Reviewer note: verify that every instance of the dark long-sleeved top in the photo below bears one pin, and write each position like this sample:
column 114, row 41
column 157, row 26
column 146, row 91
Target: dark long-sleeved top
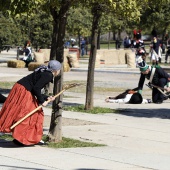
column 159, row 73
column 35, row 82
column 156, row 46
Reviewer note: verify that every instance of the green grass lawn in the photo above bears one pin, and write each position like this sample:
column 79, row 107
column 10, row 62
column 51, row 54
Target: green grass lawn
column 106, row 46
column 95, row 110
column 65, row 143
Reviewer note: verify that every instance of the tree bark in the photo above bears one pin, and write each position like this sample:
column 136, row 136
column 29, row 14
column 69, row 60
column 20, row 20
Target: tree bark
column 96, row 11
column 57, row 51
column 98, row 39
column 109, row 41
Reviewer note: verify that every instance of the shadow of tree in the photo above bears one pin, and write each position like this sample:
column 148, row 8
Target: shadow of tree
column 20, row 167
column 148, row 113
column 88, row 169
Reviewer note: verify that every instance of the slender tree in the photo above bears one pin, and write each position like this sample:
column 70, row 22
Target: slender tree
column 97, row 13
column 121, row 8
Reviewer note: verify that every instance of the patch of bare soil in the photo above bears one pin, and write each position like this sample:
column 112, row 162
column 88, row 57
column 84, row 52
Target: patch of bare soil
column 70, row 122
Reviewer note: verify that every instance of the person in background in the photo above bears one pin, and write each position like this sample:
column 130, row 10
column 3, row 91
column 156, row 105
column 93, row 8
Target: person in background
column 127, row 42
column 137, row 40
column 82, row 45
column 87, row 47
column 28, row 55
column 163, row 48
column 156, row 49
column 72, row 43
column 67, row 44
column 117, row 43
column 138, row 45
column 24, row 97
column 168, row 50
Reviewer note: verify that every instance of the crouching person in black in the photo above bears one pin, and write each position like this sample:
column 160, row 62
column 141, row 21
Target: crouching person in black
column 156, row 76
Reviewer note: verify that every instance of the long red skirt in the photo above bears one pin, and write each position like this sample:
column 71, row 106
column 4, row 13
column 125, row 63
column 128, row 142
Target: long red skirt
column 18, row 104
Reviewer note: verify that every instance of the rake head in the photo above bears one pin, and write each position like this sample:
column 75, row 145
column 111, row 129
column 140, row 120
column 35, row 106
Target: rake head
column 68, row 86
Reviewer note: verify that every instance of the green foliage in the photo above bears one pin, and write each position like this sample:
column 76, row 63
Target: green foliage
column 156, row 16
column 95, row 110
column 79, row 21
column 129, row 9
column 14, row 7
column 36, row 27
column 41, row 29
column 10, row 33
column 7, row 137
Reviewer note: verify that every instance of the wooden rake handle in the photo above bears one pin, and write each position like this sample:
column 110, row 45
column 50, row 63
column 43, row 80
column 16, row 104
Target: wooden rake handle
column 32, row 112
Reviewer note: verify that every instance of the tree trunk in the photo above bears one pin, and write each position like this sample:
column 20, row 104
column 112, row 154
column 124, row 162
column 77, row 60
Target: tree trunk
column 96, row 11
column 109, row 41
column 114, row 35
column 57, row 50
column 98, row 39
column 119, row 34
column 54, row 41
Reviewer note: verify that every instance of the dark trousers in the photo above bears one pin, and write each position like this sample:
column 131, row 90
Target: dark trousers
column 2, row 98
column 157, row 96
column 166, row 55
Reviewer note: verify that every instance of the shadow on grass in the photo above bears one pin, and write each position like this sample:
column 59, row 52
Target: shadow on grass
column 5, row 91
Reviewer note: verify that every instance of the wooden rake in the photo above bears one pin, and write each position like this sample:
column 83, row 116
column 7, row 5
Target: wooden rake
column 66, row 87
column 161, row 89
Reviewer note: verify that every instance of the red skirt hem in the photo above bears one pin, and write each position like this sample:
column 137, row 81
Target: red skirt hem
column 19, row 103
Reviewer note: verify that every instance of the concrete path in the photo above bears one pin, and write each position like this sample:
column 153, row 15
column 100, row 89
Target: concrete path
column 137, row 138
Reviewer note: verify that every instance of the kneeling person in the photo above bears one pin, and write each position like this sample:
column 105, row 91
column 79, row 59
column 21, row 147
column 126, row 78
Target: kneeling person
column 156, row 76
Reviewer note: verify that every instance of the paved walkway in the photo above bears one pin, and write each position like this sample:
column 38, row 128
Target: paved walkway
column 138, row 138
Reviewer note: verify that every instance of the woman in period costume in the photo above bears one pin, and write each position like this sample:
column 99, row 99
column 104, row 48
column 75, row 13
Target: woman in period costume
column 24, row 97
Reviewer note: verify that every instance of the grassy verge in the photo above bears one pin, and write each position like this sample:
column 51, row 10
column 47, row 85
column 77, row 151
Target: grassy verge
column 70, row 143
column 95, row 110
column 6, row 85
column 6, row 137
column 65, row 143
